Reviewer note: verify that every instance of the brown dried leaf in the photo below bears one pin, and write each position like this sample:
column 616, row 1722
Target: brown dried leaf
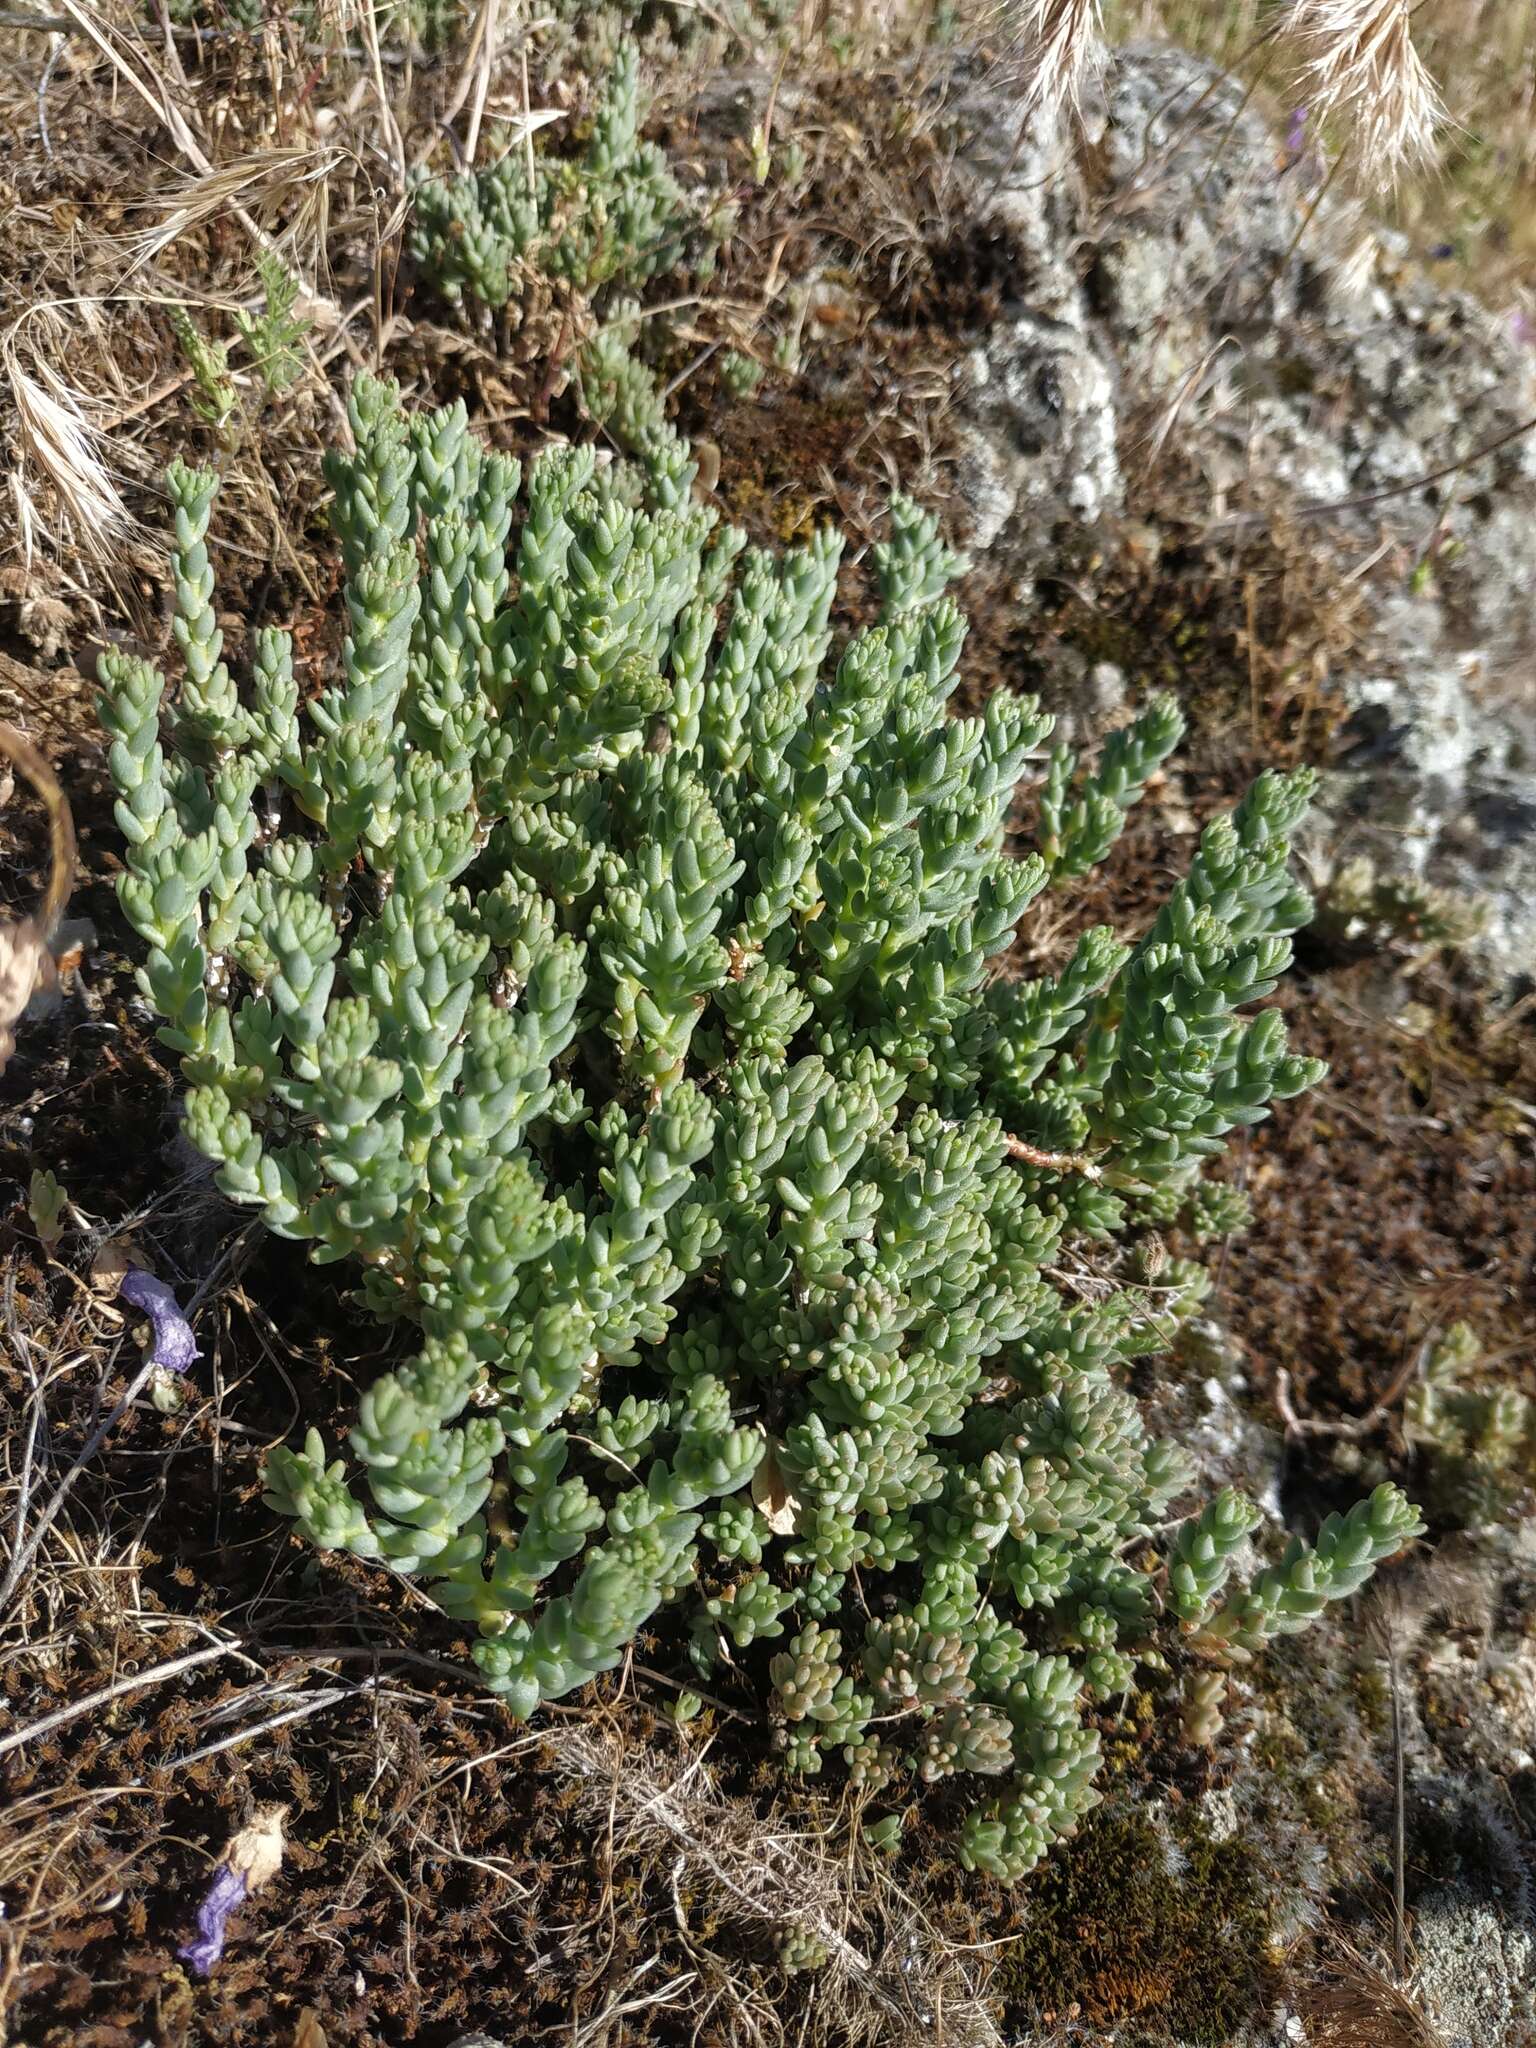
column 113, row 1260
column 780, row 1508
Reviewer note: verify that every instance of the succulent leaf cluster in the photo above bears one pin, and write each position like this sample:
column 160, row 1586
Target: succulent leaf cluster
column 604, row 966
column 274, row 336
column 612, row 213
column 213, row 396
column 1364, row 905
column 1477, row 1431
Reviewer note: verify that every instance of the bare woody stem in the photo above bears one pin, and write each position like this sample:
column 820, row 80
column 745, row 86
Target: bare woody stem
column 1051, row 1162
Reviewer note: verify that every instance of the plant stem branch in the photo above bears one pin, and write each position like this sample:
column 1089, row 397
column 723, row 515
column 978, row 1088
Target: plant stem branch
column 158, row 1674
column 1051, row 1162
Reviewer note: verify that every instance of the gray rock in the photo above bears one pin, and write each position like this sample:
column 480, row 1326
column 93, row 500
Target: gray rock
column 1042, row 430
column 1476, row 1976
column 1174, row 275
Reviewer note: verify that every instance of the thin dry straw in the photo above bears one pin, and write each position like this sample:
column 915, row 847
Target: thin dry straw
column 1360, row 69
column 127, row 56
column 249, row 181
column 58, row 440
column 135, row 1681
column 776, row 1880
column 1054, row 41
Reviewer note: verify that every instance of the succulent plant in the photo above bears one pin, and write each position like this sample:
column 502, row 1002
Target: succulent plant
column 601, row 967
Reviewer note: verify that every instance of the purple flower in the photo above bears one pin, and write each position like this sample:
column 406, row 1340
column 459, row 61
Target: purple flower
column 175, row 1347
column 252, row 1859
column 229, row 1887
column 1296, row 134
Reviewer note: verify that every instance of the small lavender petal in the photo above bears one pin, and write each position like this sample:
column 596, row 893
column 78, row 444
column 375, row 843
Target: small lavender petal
column 175, row 1347
column 219, row 1901
column 1296, row 134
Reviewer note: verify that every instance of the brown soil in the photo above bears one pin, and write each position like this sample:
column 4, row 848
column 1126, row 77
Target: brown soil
column 1398, row 1197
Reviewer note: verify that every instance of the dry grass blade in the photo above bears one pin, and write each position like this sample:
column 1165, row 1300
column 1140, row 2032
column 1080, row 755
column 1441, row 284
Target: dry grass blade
column 58, row 442
column 1387, row 1627
column 1351, row 2004
column 1054, row 42
column 160, row 1674
column 889, row 1975
column 485, row 65
column 135, row 66
column 254, row 182
column 1360, row 69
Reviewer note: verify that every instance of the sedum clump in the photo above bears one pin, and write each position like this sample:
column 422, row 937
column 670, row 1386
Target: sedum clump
column 275, row 336
column 213, row 395
column 613, row 213
column 1476, row 1431
column 601, row 224
column 1366, row 906
column 604, row 966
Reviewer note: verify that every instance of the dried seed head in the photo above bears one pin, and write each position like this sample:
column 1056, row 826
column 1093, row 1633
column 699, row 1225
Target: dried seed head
column 1360, row 69
column 1054, row 43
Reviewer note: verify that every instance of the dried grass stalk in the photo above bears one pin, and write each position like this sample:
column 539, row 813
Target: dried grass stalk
column 1054, row 42
column 1361, row 70
column 889, row 1978
column 57, row 442
column 257, row 182
column 1351, row 2004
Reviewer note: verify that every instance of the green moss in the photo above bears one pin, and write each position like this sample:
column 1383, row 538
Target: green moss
column 1373, row 1695
column 1294, row 378
column 1156, row 1934
column 1277, row 1743
column 784, row 515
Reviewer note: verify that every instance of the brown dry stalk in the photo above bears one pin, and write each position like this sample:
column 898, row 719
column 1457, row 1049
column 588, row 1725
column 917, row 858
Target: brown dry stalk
column 1051, row 1162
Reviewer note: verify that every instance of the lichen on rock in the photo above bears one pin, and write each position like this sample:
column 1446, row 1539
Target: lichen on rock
column 1175, row 279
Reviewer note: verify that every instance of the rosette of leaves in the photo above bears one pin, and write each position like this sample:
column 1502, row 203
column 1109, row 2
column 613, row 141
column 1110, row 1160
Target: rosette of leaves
column 601, row 969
